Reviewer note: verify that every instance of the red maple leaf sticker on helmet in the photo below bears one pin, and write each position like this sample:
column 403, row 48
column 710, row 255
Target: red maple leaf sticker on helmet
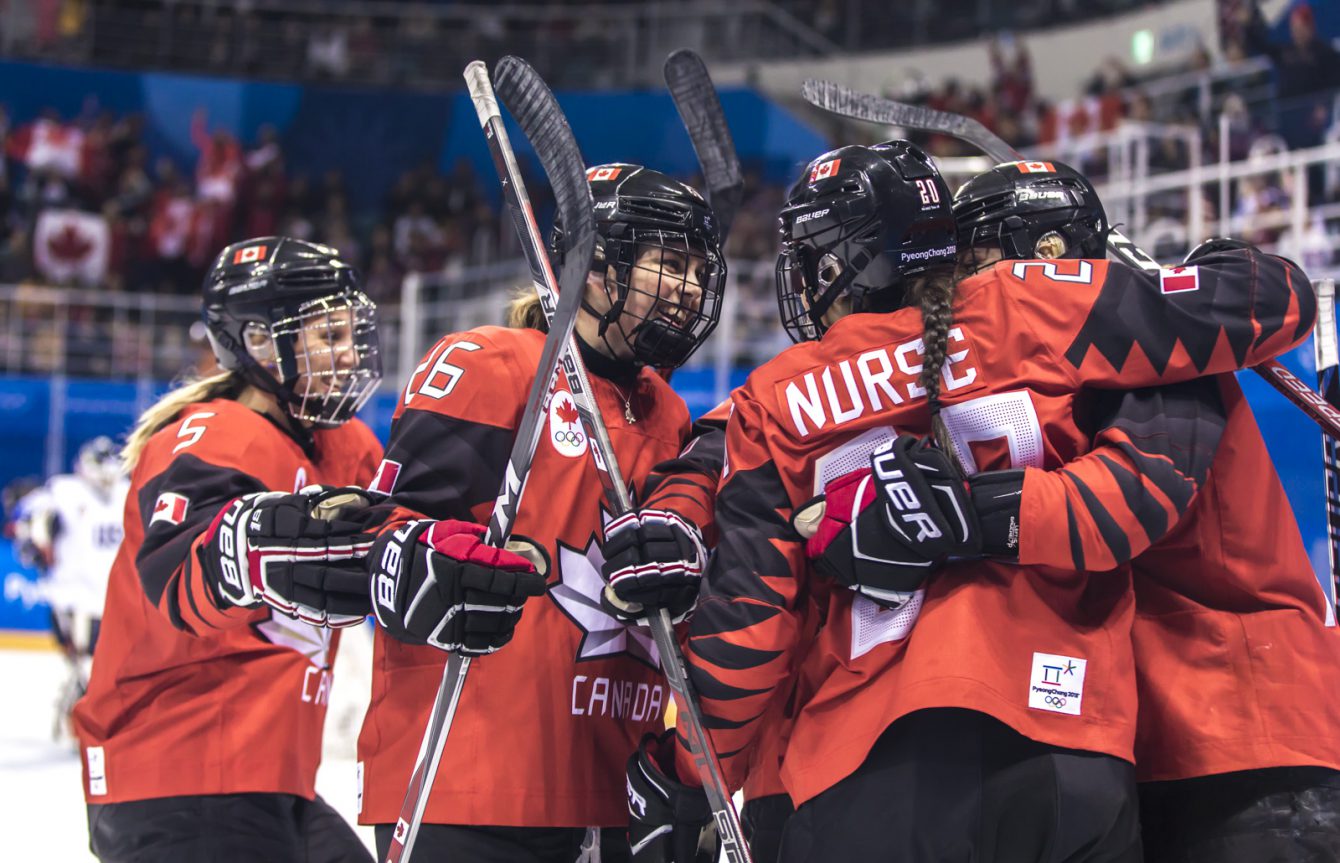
column 567, row 412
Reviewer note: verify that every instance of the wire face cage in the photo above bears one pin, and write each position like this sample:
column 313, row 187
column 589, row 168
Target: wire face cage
column 669, row 290
column 327, row 356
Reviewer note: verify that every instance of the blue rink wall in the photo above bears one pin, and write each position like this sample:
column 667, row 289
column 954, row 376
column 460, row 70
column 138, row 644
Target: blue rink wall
column 81, row 409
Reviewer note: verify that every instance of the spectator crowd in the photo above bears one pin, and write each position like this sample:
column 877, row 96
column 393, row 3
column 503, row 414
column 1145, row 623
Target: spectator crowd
column 85, row 204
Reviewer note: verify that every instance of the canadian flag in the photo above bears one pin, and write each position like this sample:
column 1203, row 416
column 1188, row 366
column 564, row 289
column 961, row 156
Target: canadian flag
column 170, row 507
column 599, row 175
column 71, row 246
column 48, row 145
column 384, row 481
column 824, row 170
column 1036, row 167
column 249, row 255
column 1179, row 280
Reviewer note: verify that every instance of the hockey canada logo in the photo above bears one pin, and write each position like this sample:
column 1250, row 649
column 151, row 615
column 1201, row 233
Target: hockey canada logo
column 170, row 507
column 1056, row 683
column 577, row 594
column 824, row 170
column 600, row 175
column 565, row 427
column 249, row 255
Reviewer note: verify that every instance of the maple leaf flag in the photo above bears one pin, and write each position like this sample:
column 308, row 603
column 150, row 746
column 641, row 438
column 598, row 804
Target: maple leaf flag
column 249, row 255
column 48, row 145
column 170, row 507
column 598, row 175
column 71, row 246
column 1036, row 167
column 1179, row 280
column 824, row 170
column 384, row 481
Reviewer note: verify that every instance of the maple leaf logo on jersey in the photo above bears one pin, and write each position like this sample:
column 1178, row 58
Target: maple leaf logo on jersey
column 578, row 596
column 564, row 432
column 313, row 642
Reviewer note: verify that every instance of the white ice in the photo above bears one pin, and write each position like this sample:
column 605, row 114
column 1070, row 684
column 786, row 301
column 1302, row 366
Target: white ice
column 42, row 814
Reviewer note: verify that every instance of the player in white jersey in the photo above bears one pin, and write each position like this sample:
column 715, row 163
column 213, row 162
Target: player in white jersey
column 74, row 524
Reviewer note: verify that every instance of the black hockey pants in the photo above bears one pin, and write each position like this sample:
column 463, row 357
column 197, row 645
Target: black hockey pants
column 452, row 842
column 955, row 786
column 1278, row 815
column 223, row 828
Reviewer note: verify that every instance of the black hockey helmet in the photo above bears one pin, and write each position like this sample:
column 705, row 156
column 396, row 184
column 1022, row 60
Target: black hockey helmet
column 858, row 222
column 647, row 221
column 1030, row 210
column 292, row 318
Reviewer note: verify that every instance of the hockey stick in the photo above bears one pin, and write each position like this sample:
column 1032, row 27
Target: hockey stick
column 602, row 449
column 700, row 110
column 1328, row 381
column 544, row 125
column 874, row 109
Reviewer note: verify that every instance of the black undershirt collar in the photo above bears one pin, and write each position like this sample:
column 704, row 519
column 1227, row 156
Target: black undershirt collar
column 619, row 372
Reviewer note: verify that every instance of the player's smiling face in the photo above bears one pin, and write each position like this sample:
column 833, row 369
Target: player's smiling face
column 326, row 355
column 665, row 281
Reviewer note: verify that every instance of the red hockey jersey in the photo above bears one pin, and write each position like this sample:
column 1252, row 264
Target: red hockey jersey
column 185, row 697
column 544, row 726
column 1236, row 646
column 1045, row 650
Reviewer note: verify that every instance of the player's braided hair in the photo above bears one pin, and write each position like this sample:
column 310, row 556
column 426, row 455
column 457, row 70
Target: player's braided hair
column 933, row 294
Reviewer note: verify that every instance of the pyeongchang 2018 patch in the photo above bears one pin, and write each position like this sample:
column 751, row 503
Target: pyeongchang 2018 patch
column 1179, row 280
column 1056, row 683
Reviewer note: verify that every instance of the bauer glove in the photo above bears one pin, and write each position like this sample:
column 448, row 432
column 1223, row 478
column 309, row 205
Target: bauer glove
column 668, row 821
column 882, row 531
column 438, row 583
column 298, row 553
column 654, row 559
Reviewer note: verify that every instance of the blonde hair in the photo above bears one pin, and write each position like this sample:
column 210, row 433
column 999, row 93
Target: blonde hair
column 524, row 311
column 170, row 406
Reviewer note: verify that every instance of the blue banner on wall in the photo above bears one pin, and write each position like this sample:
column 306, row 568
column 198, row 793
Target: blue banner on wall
column 374, row 136
column 109, row 407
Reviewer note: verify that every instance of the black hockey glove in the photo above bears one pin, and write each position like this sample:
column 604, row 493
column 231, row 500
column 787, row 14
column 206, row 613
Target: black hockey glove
column 882, row 531
column 653, row 559
column 668, row 821
column 437, row 583
column 996, row 495
column 299, row 553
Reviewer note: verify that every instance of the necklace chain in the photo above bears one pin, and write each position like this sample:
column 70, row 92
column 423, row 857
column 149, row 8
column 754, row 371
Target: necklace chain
column 628, row 416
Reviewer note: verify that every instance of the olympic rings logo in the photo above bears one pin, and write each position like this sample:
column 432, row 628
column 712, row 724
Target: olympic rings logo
column 1055, row 700
column 571, row 437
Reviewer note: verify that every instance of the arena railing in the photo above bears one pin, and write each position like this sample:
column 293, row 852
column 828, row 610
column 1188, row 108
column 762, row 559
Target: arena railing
column 1288, row 202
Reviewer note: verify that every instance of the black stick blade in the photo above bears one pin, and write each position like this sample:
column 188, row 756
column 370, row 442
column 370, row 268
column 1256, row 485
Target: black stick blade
column 845, row 102
column 533, row 106
column 700, row 110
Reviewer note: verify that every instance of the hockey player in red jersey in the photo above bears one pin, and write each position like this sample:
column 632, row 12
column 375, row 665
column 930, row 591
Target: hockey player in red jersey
column 201, row 728
column 538, row 743
column 1237, row 747
column 1008, row 711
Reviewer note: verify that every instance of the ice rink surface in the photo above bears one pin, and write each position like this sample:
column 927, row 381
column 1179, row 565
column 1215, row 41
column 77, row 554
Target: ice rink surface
column 42, row 814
